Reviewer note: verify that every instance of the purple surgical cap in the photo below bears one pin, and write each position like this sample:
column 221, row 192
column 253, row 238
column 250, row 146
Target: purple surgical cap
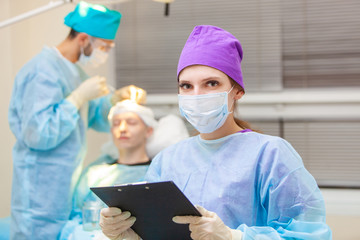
column 214, row 47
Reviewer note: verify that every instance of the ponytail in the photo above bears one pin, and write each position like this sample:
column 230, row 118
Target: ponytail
column 245, row 125
column 241, row 123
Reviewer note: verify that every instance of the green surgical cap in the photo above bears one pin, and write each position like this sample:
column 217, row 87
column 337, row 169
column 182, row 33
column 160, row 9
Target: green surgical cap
column 95, row 20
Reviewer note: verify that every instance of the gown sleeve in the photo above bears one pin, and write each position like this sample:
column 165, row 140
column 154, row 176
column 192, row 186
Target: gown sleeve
column 46, row 117
column 98, row 114
column 290, row 196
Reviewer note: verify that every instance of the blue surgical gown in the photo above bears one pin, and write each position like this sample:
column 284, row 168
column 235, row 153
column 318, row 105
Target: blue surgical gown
column 255, row 183
column 103, row 172
column 50, row 143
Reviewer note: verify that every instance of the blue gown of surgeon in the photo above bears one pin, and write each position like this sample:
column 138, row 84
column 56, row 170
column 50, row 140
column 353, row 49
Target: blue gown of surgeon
column 50, row 143
column 255, row 183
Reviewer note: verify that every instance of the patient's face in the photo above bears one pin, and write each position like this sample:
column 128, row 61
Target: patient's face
column 128, row 131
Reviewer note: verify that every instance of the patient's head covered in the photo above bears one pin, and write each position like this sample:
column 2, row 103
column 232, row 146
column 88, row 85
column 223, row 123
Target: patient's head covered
column 131, row 124
column 134, row 125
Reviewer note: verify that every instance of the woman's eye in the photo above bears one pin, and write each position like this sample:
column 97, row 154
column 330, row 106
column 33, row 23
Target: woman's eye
column 212, row 83
column 184, row 86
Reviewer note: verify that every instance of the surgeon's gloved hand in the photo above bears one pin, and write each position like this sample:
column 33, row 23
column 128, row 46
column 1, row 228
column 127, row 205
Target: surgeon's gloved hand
column 89, row 89
column 209, row 226
column 130, row 92
column 116, row 225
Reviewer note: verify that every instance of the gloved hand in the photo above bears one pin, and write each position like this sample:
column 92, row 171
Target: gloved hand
column 116, row 224
column 89, row 89
column 130, row 92
column 209, row 226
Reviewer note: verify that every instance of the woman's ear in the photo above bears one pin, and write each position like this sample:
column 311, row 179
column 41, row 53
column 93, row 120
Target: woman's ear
column 239, row 92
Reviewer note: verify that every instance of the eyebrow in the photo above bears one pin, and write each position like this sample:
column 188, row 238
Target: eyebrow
column 211, row 78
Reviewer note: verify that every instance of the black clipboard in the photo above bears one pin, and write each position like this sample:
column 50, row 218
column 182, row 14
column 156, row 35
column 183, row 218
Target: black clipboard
column 154, row 205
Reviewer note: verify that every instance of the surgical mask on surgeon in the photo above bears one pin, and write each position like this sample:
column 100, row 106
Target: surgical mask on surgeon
column 206, row 112
column 96, row 58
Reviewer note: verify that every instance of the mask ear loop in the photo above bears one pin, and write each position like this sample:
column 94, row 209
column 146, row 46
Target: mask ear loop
column 82, row 50
column 227, row 93
column 231, row 89
column 91, row 42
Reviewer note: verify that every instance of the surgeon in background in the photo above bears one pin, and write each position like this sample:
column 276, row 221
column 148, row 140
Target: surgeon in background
column 53, row 104
column 136, row 137
column 247, row 185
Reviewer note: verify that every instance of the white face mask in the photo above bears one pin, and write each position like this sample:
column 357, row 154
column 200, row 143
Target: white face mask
column 96, row 58
column 206, row 112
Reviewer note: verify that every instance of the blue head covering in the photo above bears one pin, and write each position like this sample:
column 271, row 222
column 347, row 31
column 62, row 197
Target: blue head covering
column 95, row 20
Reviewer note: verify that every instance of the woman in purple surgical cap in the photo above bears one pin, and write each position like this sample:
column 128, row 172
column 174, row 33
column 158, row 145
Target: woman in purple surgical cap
column 246, row 185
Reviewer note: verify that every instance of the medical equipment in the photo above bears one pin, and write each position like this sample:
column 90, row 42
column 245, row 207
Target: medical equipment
column 163, row 200
column 91, row 215
column 206, row 112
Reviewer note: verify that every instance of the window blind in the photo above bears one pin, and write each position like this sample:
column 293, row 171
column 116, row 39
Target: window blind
column 330, row 150
column 149, row 44
column 266, row 126
column 321, row 43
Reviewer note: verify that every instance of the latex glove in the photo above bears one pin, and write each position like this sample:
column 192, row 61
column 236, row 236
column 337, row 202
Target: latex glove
column 208, row 227
column 116, row 224
column 130, row 92
column 89, row 89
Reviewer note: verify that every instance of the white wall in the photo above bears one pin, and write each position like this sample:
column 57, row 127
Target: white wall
column 7, row 140
column 343, row 212
column 18, row 44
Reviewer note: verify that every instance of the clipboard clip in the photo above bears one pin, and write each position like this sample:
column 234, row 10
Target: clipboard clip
column 129, row 184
